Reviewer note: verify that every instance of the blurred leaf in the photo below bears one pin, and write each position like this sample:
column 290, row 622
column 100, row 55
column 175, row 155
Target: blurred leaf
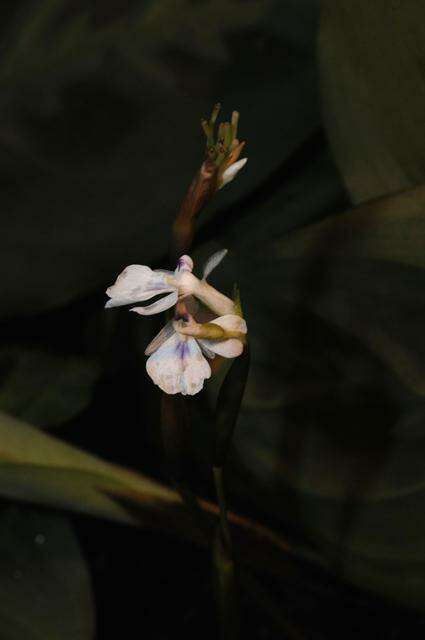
column 40, row 34
column 390, row 229
column 45, row 590
column 226, row 589
column 336, row 330
column 330, row 432
column 199, row 29
column 146, row 35
column 340, row 462
column 37, row 468
column 88, row 142
column 370, row 75
column 366, row 278
column 43, row 389
column 228, row 405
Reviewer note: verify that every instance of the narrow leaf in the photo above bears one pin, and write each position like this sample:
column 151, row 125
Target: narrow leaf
column 228, row 405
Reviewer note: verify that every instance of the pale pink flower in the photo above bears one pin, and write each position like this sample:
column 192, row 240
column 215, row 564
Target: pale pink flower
column 177, row 363
column 138, row 283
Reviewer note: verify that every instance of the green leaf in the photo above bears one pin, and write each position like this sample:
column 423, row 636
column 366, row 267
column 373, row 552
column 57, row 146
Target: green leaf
column 363, row 271
column 336, row 325
column 38, row 468
column 331, row 429
column 45, row 590
column 369, row 76
column 228, row 405
column 44, row 389
column 226, row 589
column 71, row 128
column 390, row 228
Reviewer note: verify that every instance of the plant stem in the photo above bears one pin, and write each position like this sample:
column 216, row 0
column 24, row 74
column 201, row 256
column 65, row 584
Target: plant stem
column 221, row 499
column 227, row 590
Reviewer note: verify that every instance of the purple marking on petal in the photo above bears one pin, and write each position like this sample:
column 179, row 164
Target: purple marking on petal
column 184, row 263
column 182, row 350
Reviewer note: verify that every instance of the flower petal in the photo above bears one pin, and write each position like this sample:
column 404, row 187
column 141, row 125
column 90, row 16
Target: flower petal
column 160, row 305
column 137, row 283
column 232, row 347
column 184, row 263
column 165, row 333
column 196, row 368
column 178, row 366
column 164, row 272
column 212, row 262
column 230, row 173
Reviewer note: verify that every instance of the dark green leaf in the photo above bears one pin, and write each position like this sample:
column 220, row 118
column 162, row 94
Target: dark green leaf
column 43, row 389
column 330, row 430
column 45, row 590
column 94, row 163
column 38, row 468
column 228, row 405
column 363, row 271
column 370, row 79
column 225, row 588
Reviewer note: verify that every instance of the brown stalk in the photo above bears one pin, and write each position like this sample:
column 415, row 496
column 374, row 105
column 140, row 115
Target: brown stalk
column 201, row 190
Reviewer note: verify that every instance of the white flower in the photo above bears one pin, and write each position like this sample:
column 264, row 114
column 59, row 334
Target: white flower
column 138, row 283
column 177, row 363
column 231, row 172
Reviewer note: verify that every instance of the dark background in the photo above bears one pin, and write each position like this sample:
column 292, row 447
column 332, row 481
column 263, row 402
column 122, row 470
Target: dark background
column 100, row 105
